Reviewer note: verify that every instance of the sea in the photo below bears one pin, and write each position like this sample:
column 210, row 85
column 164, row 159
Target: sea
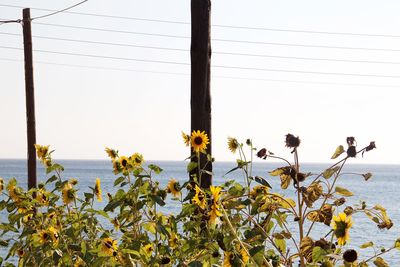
column 382, row 188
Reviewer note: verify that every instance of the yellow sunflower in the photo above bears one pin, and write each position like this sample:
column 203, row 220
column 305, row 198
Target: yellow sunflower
column 42, row 151
column 124, row 163
column 173, row 188
column 137, row 159
column 341, row 225
column 116, row 166
column 1, row 184
column 13, row 192
column 214, row 212
column 43, row 236
column 79, row 262
column 108, row 247
column 28, row 215
column 148, row 250
column 42, row 196
column 228, row 259
column 199, row 198
column 68, row 193
column 199, row 141
column 233, row 144
column 186, row 139
column 97, row 190
column 243, row 254
column 53, row 234
column 173, row 240
column 111, row 153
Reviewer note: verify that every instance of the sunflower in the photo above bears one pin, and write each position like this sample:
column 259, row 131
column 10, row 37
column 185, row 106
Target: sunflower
column 42, row 197
column 243, row 254
column 97, row 190
column 13, row 192
column 228, row 259
column 108, row 247
column 199, row 198
column 173, row 240
column 137, row 160
column 1, row 184
column 53, row 234
column 43, row 236
column 233, row 144
column 214, row 213
column 79, row 262
column 186, row 139
column 341, row 225
column 116, row 166
column 111, row 153
column 123, row 163
column 199, row 141
column 42, row 151
column 148, row 250
column 173, row 188
column 28, row 215
column 68, row 193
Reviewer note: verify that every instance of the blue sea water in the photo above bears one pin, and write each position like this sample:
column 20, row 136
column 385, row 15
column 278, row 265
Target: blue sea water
column 383, row 188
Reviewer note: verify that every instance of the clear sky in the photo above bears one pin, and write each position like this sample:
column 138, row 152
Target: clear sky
column 79, row 111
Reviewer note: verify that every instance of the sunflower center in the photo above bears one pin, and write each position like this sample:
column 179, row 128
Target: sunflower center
column 198, row 140
column 124, row 162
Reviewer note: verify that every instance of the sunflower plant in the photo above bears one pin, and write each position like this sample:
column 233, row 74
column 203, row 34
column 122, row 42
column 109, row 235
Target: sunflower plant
column 241, row 222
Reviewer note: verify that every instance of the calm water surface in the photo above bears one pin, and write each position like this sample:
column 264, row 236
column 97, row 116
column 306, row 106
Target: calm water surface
column 383, row 188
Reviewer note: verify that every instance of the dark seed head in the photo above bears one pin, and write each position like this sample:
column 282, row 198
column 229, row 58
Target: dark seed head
column 292, row 141
column 165, row 260
column 198, row 140
column 350, row 255
column 352, row 152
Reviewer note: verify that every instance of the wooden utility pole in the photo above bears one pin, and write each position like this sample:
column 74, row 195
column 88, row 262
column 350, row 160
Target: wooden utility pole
column 200, row 56
column 30, row 98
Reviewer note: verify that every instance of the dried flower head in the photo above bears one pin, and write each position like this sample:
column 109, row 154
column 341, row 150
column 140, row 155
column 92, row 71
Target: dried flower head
column 350, row 255
column 292, row 141
column 262, row 153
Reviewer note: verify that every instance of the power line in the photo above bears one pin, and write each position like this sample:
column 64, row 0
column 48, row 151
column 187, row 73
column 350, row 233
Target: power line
column 214, row 66
column 214, row 76
column 59, row 11
column 221, row 40
column 214, row 52
column 115, row 31
column 227, row 26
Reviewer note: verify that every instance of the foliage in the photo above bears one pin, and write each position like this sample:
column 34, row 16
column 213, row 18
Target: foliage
column 232, row 224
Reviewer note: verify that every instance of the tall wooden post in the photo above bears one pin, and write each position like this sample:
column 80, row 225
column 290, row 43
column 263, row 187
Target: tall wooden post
column 200, row 56
column 30, row 98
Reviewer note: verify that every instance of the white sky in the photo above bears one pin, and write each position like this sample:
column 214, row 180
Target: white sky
column 79, row 111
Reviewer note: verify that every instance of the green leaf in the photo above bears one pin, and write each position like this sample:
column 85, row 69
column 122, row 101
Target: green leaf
column 397, row 244
column 191, row 166
column 329, row 172
column 367, row 244
column 150, row 227
column 254, row 250
column 155, row 168
column 51, row 179
column 260, row 180
column 281, row 244
column 195, row 264
column 83, row 247
column 131, row 251
column 232, row 170
column 339, row 150
column 158, row 200
column 119, row 180
column 343, row 191
column 379, row 262
column 318, row 254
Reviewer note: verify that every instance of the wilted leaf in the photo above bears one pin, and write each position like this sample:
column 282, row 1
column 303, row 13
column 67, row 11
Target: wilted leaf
column 367, row 176
column 339, row 150
column 277, row 171
column 288, row 203
column 329, row 172
column 343, row 191
column 260, row 180
column 367, row 245
column 379, row 262
column 285, row 181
